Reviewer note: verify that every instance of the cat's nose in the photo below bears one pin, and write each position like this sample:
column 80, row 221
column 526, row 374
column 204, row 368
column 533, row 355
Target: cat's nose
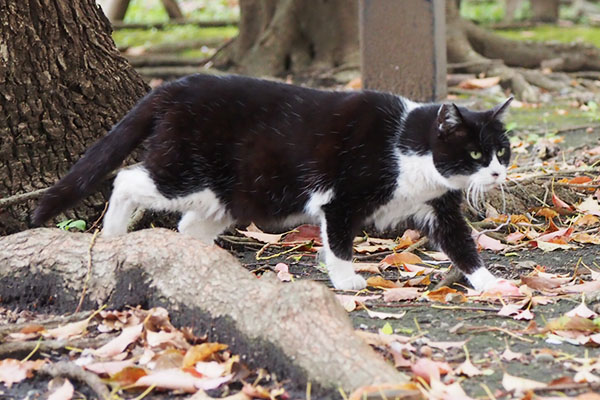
column 495, row 174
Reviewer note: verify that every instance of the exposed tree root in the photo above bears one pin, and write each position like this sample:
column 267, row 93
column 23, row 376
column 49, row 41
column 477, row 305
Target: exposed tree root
column 299, row 329
column 478, row 50
column 67, row 369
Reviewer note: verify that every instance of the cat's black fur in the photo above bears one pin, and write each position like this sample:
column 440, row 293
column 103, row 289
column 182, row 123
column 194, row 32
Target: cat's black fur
column 264, row 148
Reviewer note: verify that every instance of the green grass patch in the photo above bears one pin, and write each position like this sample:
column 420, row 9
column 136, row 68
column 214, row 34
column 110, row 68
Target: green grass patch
column 171, row 34
column 584, row 34
column 144, row 11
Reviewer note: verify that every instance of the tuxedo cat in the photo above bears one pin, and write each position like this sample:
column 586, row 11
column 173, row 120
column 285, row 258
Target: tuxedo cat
column 226, row 150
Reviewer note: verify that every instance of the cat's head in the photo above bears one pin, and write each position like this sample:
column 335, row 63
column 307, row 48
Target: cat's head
column 471, row 148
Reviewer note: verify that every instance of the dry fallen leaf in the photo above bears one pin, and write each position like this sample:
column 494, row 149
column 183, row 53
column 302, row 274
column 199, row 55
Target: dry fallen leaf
column 13, row 371
column 404, row 257
column 253, row 232
column 384, row 315
column 68, row 330
column 380, row 282
column 402, row 293
column 467, row 368
column 109, row 367
column 520, row 385
column 582, row 311
column 120, row 343
column 430, row 370
column 386, row 391
column 64, row 390
column 201, row 352
column 445, row 294
column 176, row 379
column 479, row 83
column 304, row 233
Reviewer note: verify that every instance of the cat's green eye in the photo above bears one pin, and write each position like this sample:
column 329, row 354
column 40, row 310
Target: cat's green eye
column 500, row 152
column 475, row 155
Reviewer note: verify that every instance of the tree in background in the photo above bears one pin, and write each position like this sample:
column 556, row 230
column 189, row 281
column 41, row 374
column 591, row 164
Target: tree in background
column 278, row 37
column 64, row 85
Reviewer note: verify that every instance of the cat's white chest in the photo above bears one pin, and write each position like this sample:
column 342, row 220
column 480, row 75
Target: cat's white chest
column 418, row 182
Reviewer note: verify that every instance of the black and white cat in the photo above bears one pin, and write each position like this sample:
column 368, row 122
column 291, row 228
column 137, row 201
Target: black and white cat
column 226, row 150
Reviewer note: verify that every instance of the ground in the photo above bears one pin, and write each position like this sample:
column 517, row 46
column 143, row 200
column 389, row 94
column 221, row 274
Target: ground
column 554, row 142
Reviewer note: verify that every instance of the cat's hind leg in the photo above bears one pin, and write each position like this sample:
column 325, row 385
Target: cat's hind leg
column 196, row 224
column 337, row 245
column 128, row 186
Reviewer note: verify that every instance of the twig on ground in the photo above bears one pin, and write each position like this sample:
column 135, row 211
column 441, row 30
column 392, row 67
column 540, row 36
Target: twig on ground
column 22, row 197
column 9, row 348
column 71, row 370
column 47, row 323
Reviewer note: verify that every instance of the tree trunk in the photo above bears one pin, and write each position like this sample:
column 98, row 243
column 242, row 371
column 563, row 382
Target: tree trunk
column 172, row 9
column 116, row 9
column 545, row 10
column 279, row 37
column 64, row 84
column 298, row 330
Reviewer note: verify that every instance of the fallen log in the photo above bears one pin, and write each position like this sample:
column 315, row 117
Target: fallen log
column 297, row 330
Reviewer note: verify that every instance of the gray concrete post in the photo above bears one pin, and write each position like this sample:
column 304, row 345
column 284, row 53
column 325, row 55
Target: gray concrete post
column 403, row 47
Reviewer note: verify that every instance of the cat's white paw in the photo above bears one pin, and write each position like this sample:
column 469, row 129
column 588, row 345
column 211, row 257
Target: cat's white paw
column 481, row 278
column 353, row 282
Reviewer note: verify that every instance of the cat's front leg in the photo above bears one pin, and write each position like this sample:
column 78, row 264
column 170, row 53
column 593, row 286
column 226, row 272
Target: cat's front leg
column 337, row 233
column 448, row 229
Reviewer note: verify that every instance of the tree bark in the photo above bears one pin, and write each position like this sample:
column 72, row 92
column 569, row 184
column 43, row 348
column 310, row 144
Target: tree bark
column 116, row 9
column 279, row 37
column 298, row 330
column 64, row 84
column 172, row 9
column 545, row 10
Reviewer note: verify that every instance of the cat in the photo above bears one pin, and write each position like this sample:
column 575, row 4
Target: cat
column 230, row 149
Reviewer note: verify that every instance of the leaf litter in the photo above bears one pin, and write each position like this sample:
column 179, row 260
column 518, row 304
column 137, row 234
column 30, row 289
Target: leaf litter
column 527, row 315
column 146, row 353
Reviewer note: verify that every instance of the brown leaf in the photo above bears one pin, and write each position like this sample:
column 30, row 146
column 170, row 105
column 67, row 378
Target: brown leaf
column 587, row 220
column 253, row 232
column 404, row 257
column 120, row 343
column 402, row 293
column 14, row 371
column 540, row 283
column 201, row 352
column 68, row 330
column 560, row 204
column 380, row 282
column 372, row 268
column 479, row 83
column 579, row 180
column 304, row 233
column 585, row 237
column 64, row 390
column 386, row 391
column 443, row 295
column 547, row 213
column 128, row 375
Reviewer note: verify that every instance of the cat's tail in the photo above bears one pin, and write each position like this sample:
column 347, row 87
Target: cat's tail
column 98, row 161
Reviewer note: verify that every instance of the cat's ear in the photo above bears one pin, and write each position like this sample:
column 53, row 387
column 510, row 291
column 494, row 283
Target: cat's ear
column 448, row 119
column 499, row 112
